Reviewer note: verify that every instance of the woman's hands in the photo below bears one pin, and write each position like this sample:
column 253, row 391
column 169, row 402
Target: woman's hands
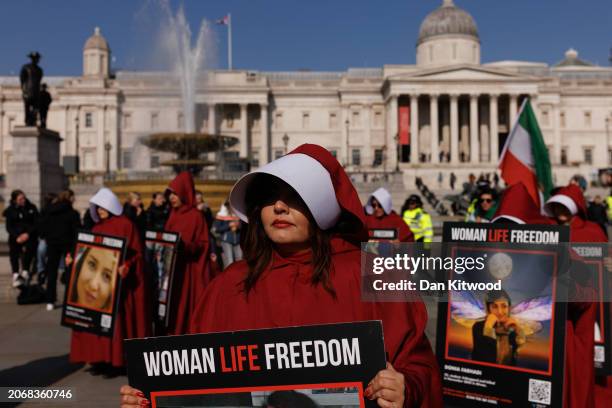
column 132, row 398
column 387, row 388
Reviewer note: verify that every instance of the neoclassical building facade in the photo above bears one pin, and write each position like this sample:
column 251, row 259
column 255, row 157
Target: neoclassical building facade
column 447, row 113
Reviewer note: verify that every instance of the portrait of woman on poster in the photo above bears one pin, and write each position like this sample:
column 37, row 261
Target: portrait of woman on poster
column 95, row 278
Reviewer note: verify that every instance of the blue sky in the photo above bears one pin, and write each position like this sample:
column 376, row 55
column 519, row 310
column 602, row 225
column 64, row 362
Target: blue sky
column 277, row 35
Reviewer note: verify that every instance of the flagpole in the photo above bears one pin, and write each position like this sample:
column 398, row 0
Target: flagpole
column 229, row 41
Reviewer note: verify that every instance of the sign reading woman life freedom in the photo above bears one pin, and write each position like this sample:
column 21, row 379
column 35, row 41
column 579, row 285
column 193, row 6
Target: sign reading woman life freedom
column 92, row 295
column 322, row 363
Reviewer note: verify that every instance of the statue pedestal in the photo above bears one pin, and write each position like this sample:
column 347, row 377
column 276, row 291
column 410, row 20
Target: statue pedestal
column 35, row 163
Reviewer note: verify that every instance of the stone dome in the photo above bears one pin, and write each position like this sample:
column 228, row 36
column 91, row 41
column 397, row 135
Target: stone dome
column 448, row 19
column 96, row 41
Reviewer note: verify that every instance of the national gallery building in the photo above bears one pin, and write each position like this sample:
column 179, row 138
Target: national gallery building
column 447, row 113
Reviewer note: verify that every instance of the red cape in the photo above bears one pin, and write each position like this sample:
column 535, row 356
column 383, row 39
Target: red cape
column 579, row 371
column 284, row 296
column 192, row 272
column 134, row 315
column 390, row 221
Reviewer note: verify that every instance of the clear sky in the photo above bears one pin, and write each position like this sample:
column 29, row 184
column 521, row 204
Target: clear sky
column 324, row 35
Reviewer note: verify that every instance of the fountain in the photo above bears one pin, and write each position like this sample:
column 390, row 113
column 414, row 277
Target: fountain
column 191, row 147
column 189, row 61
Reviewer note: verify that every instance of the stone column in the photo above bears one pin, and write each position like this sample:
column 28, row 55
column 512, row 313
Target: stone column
column 264, row 149
column 244, row 132
column 392, row 134
column 114, row 137
column 556, row 159
column 367, row 158
column 344, row 141
column 2, row 136
column 493, row 129
column 212, row 119
column 100, row 148
column 454, row 128
column 414, row 129
column 513, row 109
column 474, row 140
column 433, row 120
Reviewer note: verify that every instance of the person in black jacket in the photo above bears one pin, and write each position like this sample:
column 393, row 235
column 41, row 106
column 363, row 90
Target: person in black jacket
column 59, row 226
column 158, row 212
column 134, row 210
column 41, row 253
column 597, row 212
column 21, row 217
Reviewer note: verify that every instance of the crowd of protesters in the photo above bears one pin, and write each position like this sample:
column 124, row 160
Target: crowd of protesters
column 237, row 269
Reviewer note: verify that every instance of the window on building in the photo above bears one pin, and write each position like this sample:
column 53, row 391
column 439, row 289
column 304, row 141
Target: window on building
column 378, row 157
column 333, row 120
column 609, row 156
column 545, row 117
column 355, row 119
column 356, row 157
column 562, row 119
column 564, row 156
column 378, row 118
column 229, row 120
column 255, row 159
column 88, row 119
column 154, row 161
column 305, row 120
column 588, row 155
column 127, row 120
column 126, row 158
column 278, row 120
column 180, row 119
column 278, row 153
column 154, row 120
column 587, row 119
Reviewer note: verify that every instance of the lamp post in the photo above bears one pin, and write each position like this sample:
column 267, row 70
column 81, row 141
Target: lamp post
column 348, row 150
column 76, row 140
column 286, row 142
column 107, row 148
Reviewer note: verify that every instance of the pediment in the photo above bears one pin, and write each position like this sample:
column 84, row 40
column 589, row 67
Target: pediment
column 459, row 73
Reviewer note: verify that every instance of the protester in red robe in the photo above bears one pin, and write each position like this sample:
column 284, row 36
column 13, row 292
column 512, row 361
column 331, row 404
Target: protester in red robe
column 302, row 266
column 192, row 272
column 133, row 318
column 568, row 207
column 380, row 216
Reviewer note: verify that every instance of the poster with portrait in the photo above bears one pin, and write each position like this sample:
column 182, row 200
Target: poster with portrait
column 320, row 365
column 588, row 274
column 505, row 347
column 92, row 294
column 160, row 252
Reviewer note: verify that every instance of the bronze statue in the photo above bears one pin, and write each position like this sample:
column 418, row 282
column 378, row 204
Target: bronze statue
column 43, row 105
column 30, row 77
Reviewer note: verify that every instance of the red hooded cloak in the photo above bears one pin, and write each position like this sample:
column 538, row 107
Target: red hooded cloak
column 134, row 316
column 390, row 221
column 284, row 296
column 192, row 272
column 581, row 373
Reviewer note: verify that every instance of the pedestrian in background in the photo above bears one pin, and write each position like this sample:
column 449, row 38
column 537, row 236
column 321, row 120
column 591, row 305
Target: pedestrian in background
column 158, row 212
column 41, row 252
column 227, row 227
column 21, row 218
column 134, row 210
column 417, row 219
column 59, row 226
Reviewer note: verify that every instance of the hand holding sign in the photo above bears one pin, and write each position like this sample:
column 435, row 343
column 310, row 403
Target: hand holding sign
column 132, row 398
column 387, row 388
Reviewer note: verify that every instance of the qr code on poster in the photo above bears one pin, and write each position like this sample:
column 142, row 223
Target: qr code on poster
column 106, row 321
column 599, row 354
column 539, row 391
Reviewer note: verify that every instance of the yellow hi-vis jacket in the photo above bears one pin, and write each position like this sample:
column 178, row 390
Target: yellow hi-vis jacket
column 420, row 224
column 609, row 203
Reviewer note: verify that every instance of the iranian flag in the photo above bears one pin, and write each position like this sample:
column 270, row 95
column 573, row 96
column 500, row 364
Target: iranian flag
column 525, row 156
